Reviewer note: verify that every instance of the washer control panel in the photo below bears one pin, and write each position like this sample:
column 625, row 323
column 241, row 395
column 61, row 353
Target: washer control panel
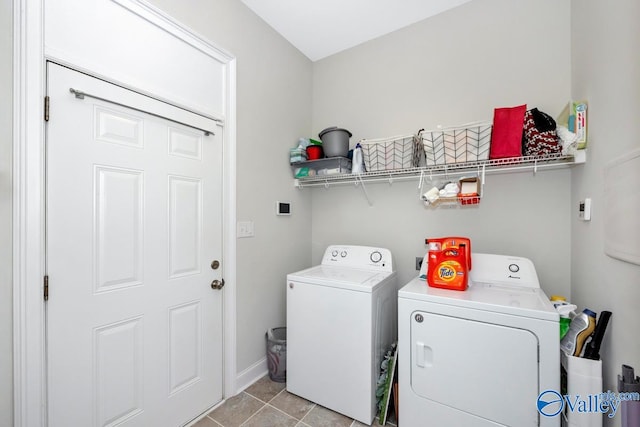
column 503, row 270
column 366, row 257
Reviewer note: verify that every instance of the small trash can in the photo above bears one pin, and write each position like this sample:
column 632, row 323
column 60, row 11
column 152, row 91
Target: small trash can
column 277, row 354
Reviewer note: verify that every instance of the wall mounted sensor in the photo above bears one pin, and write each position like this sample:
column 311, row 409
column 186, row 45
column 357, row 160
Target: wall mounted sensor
column 283, row 208
column 584, row 209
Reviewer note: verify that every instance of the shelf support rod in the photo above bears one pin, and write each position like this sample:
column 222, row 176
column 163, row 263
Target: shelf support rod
column 364, row 190
column 484, row 166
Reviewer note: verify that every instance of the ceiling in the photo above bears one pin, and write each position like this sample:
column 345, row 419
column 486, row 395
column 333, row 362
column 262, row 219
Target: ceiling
column 319, row 28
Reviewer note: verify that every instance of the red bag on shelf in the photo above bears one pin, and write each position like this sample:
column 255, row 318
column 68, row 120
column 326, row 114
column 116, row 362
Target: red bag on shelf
column 506, row 136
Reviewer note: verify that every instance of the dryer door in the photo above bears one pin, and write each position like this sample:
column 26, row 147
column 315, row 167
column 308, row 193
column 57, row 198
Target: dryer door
column 483, row 369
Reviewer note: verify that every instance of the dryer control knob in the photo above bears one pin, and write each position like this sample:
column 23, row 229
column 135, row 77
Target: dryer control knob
column 334, row 253
column 343, row 254
column 375, row 256
column 514, row 268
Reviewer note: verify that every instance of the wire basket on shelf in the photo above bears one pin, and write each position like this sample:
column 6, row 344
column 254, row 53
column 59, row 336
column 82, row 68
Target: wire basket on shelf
column 468, row 191
column 459, row 144
column 398, row 152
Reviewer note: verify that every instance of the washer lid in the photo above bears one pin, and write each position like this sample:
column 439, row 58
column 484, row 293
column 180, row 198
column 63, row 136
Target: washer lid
column 514, row 300
column 341, row 277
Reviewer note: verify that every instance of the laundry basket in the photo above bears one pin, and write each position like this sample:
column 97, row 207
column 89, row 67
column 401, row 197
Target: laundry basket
column 277, row 354
column 398, row 152
column 458, row 144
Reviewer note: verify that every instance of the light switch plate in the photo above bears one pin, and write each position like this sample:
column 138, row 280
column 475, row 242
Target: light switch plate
column 245, row 229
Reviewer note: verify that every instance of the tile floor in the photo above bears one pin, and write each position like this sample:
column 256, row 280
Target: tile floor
column 268, row 404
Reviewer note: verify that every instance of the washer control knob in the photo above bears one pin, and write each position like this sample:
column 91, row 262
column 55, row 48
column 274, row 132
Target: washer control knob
column 343, row 254
column 514, row 268
column 375, row 256
column 334, row 253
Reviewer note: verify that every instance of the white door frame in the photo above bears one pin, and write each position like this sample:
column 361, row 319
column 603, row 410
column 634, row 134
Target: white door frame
column 29, row 381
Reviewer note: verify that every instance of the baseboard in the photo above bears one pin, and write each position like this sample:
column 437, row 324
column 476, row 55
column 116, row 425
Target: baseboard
column 252, row 374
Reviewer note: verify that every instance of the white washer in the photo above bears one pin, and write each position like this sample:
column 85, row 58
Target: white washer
column 341, row 317
column 479, row 357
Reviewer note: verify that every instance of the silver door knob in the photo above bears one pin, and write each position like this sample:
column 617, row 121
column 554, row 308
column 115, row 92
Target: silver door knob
column 217, row 284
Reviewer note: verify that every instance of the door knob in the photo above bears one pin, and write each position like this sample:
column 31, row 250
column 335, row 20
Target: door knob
column 217, row 284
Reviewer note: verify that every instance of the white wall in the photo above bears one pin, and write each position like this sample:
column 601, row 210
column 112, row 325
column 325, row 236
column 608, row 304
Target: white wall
column 606, row 72
column 452, row 69
column 273, row 111
column 399, row 221
column 6, row 117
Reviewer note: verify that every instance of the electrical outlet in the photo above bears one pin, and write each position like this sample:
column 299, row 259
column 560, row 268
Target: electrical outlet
column 419, row 260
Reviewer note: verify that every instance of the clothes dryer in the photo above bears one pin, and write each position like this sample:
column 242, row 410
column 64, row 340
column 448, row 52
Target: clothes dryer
column 341, row 317
column 479, row 357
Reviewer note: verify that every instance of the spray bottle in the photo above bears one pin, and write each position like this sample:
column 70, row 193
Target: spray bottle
column 566, row 312
column 357, row 164
column 582, row 326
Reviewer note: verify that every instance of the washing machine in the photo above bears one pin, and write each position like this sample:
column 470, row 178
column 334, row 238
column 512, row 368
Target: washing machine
column 479, row 357
column 341, row 318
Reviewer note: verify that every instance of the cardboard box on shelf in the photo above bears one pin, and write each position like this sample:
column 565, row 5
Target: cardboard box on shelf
column 469, row 191
column 574, row 118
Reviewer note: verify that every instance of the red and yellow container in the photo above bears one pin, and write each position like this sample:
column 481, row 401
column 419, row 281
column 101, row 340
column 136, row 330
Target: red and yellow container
column 449, row 263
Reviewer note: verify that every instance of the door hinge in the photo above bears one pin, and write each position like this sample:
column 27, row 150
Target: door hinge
column 47, row 103
column 46, row 288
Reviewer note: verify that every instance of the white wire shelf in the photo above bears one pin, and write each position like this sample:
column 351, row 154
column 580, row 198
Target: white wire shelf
column 511, row 164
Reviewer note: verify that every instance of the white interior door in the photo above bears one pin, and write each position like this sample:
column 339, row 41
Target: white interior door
column 134, row 223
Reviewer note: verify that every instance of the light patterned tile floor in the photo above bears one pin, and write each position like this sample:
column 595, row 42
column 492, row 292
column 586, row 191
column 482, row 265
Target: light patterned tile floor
column 268, row 404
